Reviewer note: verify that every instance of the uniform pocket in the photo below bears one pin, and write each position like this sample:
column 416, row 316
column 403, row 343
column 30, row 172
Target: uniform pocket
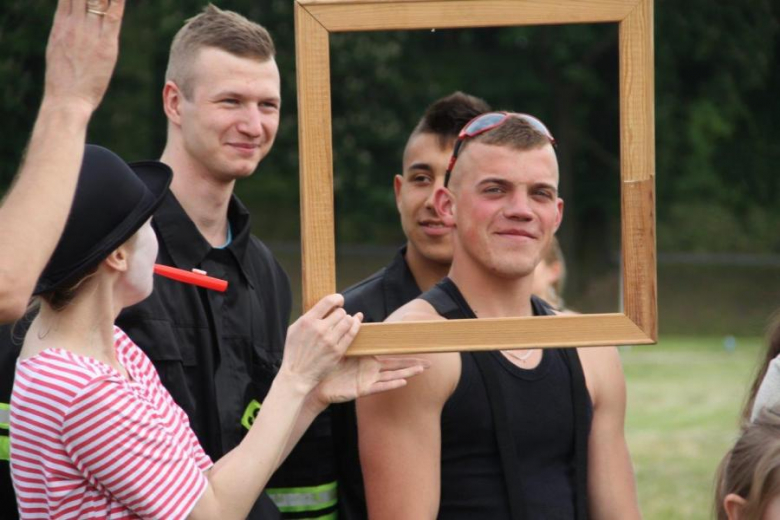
column 172, row 352
column 162, row 341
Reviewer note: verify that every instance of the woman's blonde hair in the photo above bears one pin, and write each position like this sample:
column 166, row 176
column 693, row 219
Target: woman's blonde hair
column 554, row 293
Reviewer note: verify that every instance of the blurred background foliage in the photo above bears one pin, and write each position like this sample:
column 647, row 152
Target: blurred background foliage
column 717, row 105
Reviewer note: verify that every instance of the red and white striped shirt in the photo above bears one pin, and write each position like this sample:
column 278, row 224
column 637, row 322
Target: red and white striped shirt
column 86, row 442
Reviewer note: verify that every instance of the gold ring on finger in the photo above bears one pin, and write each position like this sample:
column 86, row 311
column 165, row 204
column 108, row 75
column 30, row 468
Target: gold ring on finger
column 98, row 7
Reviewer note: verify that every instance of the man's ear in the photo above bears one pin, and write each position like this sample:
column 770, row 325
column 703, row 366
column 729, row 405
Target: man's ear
column 172, row 98
column 117, row 260
column 445, row 206
column 555, row 269
column 398, row 182
column 734, row 505
column 559, row 217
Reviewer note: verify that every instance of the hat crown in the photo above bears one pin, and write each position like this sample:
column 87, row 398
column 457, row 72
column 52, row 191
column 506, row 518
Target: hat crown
column 107, row 192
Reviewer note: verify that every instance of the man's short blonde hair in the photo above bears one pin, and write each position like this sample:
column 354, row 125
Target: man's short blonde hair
column 224, row 30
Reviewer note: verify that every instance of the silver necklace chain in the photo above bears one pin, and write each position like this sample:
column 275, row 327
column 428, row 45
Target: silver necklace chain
column 522, row 358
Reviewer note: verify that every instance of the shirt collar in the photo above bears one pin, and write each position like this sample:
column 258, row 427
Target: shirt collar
column 400, row 287
column 182, row 239
column 238, row 216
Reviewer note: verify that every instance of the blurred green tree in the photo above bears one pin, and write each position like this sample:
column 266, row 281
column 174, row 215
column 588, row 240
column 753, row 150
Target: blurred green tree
column 716, row 103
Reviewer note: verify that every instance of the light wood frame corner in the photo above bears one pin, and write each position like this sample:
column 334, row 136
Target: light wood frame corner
column 316, row 19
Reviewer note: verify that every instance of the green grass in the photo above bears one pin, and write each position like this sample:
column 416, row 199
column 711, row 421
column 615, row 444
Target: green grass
column 684, row 399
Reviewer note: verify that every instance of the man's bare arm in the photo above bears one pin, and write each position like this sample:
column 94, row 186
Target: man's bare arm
column 400, row 436
column 80, row 59
column 611, row 486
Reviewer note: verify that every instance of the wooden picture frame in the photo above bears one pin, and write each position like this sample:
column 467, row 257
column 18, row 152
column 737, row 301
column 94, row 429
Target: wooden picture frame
column 637, row 324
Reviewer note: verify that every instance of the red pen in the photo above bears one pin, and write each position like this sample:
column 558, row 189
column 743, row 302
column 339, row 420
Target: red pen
column 201, row 280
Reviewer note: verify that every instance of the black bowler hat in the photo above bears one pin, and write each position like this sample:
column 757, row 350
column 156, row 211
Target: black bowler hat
column 113, row 200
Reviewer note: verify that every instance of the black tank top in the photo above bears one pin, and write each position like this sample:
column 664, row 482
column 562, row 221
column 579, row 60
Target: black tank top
column 540, row 415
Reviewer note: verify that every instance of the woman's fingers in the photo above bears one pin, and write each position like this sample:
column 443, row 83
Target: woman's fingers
column 392, row 373
column 112, row 21
column 335, row 331
column 336, row 316
column 325, row 306
column 394, row 363
column 93, row 19
column 341, row 334
column 384, row 386
column 63, row 9
column 346, row 339
column 402, row 373
column 392, row 379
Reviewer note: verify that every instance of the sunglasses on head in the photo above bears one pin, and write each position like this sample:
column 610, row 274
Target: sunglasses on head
column 487, row 122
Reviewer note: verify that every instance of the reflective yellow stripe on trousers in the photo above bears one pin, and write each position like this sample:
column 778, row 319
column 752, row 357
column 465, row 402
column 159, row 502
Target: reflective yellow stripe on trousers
column 297, row 499
column 5, row 441
column 305, row 499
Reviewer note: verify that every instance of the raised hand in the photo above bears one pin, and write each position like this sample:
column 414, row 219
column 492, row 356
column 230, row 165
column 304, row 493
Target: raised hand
column 82, row 51
column 360, row 376
column 80, row 57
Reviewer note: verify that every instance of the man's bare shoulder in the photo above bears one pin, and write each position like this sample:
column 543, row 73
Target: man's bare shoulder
column 439, row 381
column 416, row 310
column 603, row 371
column 599, row 358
